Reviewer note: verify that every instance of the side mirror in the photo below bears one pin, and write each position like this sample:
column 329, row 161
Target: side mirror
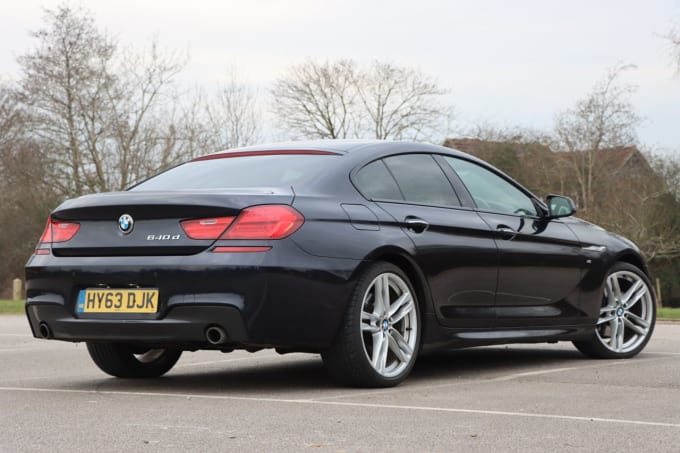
column 559, row 206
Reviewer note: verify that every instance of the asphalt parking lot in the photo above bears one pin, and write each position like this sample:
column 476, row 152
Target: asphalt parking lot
column 516, row 398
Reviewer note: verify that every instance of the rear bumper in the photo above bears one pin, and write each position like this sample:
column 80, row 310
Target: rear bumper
column 183, row 325
column 280, row 298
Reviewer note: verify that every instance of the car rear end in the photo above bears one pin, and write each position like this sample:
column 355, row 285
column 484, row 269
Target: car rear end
column 198, row 257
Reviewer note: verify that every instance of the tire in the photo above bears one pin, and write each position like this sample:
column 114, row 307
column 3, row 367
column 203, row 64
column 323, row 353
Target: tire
column 377, row 347
column 127, row 361
column 627, row 315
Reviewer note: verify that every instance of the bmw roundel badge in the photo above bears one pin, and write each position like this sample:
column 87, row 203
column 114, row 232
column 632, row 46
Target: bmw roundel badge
column 125, row 223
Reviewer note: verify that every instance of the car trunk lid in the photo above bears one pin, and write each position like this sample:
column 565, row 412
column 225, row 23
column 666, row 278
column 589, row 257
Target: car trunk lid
column 138, row 223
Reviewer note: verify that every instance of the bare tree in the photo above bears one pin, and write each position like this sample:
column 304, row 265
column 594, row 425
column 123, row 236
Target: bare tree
column 666, row 238
column 144, row 117
column 25, row 185
column 643, row 206
column 12, row 117
column 64, row 76
column 108, row 116
column 343, row 100
column 318, row 100
column 401, row 102
column 233, row 116
column 674, row 39
column 605, row 118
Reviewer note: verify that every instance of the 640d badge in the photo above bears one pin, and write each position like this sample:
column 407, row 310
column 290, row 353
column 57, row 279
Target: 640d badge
column 163, row 237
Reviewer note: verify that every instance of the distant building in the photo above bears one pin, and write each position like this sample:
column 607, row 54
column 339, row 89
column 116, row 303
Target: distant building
column 627, row 158
column 545, row 171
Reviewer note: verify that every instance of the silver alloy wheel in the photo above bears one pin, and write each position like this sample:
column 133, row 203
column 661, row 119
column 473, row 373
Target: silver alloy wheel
column 150, row 355
column 389, row 324
column 627, row 312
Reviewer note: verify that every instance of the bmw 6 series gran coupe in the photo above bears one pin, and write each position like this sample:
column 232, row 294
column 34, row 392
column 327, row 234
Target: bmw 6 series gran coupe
column 368, row 253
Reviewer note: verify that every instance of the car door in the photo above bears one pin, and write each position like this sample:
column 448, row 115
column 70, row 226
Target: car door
column 454, row 247
column 541, row 261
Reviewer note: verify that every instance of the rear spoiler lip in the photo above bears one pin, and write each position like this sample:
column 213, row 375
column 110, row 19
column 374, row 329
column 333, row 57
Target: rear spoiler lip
column 281, row 152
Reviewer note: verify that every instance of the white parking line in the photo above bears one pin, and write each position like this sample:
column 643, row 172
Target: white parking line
column 29, row 348
column 459, row 381
column 215, row 362
column 513, row 376
column 185, row 365
column 25, row 349
column 313, row 402
column 36, row 378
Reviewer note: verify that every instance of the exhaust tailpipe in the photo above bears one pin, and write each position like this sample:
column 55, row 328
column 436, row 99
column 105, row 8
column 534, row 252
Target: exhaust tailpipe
column 44, row 330
column 216, row 335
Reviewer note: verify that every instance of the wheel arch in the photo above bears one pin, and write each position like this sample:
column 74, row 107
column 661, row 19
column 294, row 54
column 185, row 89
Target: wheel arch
column 403, row 260
column 635, row 259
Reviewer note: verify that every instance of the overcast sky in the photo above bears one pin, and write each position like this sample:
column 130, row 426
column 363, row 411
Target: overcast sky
column 505, row 62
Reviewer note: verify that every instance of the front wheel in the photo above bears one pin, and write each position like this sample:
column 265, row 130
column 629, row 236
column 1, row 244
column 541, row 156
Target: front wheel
column 129, row 361
column 627, row 315
column 379, row 339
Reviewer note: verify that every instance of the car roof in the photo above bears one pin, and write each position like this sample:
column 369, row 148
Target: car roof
column 341, row 146
column 360, row 150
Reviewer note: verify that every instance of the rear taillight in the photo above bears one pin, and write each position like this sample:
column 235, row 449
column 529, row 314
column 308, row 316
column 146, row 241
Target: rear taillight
column 274, row 221
column 56, row 231
column 257, row 222
column 206, row 228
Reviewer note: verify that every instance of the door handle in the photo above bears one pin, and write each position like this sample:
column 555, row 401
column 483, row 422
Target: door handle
column 416, row 224
column 506, row 232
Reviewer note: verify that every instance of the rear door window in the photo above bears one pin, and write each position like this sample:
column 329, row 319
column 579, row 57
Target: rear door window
column 421, row 180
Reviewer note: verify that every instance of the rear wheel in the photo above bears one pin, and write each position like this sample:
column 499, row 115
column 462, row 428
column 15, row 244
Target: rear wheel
column 128, row 361
column 627, row 315
column 380, row 336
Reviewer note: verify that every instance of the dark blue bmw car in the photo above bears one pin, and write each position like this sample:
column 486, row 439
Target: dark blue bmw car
column 365, row 252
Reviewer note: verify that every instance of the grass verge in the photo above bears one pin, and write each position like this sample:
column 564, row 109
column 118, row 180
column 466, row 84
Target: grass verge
column 668, row 313
column 11, row 307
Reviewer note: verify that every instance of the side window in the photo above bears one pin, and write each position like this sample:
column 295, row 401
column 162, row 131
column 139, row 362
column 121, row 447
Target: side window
column 421, row 180
column 376, row 183
column 490, row 191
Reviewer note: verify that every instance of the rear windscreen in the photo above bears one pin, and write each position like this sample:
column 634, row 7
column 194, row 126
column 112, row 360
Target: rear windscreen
column 243, row 171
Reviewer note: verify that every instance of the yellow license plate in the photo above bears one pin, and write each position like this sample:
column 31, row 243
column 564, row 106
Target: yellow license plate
column 117, row 301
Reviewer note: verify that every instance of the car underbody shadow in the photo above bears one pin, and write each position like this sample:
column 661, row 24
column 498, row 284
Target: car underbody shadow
column 490, row 361
column 305, row 372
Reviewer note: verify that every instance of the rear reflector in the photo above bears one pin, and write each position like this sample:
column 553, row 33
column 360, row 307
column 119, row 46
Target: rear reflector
column 206, row 228
column 275, row 221
column 56, row 231
column 237, row 249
